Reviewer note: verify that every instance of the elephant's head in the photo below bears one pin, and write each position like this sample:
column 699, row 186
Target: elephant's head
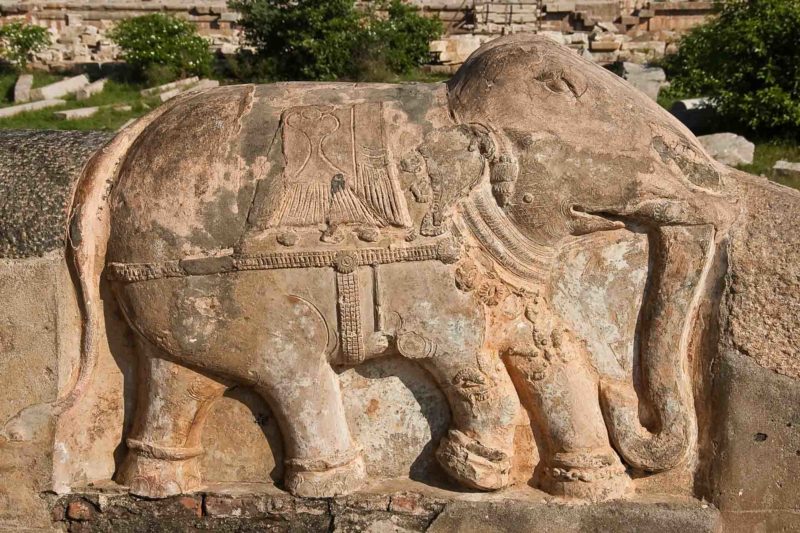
column 578, row 150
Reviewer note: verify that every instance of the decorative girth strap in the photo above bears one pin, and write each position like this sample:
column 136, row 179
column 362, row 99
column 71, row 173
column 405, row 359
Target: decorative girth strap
column 446, row 250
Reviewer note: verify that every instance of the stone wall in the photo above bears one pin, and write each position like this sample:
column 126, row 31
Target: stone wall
column 79, row 27
column 632, row 30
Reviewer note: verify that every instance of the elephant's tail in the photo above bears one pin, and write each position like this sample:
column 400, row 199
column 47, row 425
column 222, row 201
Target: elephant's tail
column 87, row 237
column 683, row 260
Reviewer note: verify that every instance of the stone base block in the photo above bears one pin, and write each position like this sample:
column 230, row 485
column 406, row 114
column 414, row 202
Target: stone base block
column 397, row 505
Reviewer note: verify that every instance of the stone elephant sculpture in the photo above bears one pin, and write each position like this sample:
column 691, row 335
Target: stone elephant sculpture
column 259, row 235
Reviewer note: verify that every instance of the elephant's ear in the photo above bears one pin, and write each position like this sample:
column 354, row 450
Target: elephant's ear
column 455, row 158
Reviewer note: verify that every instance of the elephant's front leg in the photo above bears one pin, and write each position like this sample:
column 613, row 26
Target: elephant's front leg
column 560, row 389
column 478, row 449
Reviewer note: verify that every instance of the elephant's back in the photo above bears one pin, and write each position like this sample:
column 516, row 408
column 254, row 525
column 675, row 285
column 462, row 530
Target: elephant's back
column 193, row 183
column 185, row 184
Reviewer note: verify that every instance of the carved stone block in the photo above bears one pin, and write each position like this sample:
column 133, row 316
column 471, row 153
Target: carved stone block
column 510, row 283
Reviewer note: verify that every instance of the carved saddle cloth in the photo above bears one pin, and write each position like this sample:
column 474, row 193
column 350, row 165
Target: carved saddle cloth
column 336, row 170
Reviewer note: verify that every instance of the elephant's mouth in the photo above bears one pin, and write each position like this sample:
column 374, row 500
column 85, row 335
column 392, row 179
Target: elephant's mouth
column 584, row 221
column 648, row 213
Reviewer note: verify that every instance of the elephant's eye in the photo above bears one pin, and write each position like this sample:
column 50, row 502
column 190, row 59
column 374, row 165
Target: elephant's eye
column 557, row 85
column 564, row 82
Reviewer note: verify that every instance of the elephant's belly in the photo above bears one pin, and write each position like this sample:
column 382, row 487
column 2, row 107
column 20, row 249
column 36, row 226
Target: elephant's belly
column 233, row 324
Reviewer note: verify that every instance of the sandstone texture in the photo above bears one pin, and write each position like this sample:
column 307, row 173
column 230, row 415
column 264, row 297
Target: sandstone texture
column 763, row 309
column 464, row 306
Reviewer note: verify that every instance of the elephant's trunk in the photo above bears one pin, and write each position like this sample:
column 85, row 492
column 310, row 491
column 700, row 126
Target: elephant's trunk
column 682, row 257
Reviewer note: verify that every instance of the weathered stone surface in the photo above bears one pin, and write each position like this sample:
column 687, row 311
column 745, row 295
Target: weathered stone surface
column 415, row 509
column 581, row 289
column 757, row 434
column 36, row 332
column 90, row 90
column 477, row 456
column 647, row 79
column 60, row 88
column 38, row 170
column 22, row 89
column 161, row 89
column 30, row 106
column 74, row 114
column 513, row 516
column 787, row 169
column 729, row 148
column 763, row 306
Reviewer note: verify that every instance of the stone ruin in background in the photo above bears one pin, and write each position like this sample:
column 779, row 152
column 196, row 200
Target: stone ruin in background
column 603, row 30
column 523, row 299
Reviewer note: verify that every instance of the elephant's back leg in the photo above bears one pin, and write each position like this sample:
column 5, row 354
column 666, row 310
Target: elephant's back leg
column 272, row 331
column 164, row 446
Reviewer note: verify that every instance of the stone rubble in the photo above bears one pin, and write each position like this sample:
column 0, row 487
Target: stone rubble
column 694, row 112
column 787, row 169
column 11, row 111
column 204, row 84
column 180, row 84
column 86, row 112
column 22, row 89
column 649, row 80
column 639, row 33
column 90, row 90
column 74, row 114
column 728, row 148
column 60, row 88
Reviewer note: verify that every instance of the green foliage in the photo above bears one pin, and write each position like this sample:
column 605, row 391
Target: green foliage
column 402, row 39
column 331, row 39
column 108, row 118
column 19, row 40
column 768, row 153
column 161, row 48
column 747, row 59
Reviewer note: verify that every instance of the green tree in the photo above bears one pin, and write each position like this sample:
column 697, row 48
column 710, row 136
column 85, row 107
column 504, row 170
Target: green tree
column 332, row 39
column 747, row 60
column 402, row 38
column 161, row 48
column 19, row 40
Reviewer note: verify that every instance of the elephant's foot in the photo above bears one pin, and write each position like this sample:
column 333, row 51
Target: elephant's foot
column 586, row 476
column 159, row 472
column 322, row 478
column 473, row 464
